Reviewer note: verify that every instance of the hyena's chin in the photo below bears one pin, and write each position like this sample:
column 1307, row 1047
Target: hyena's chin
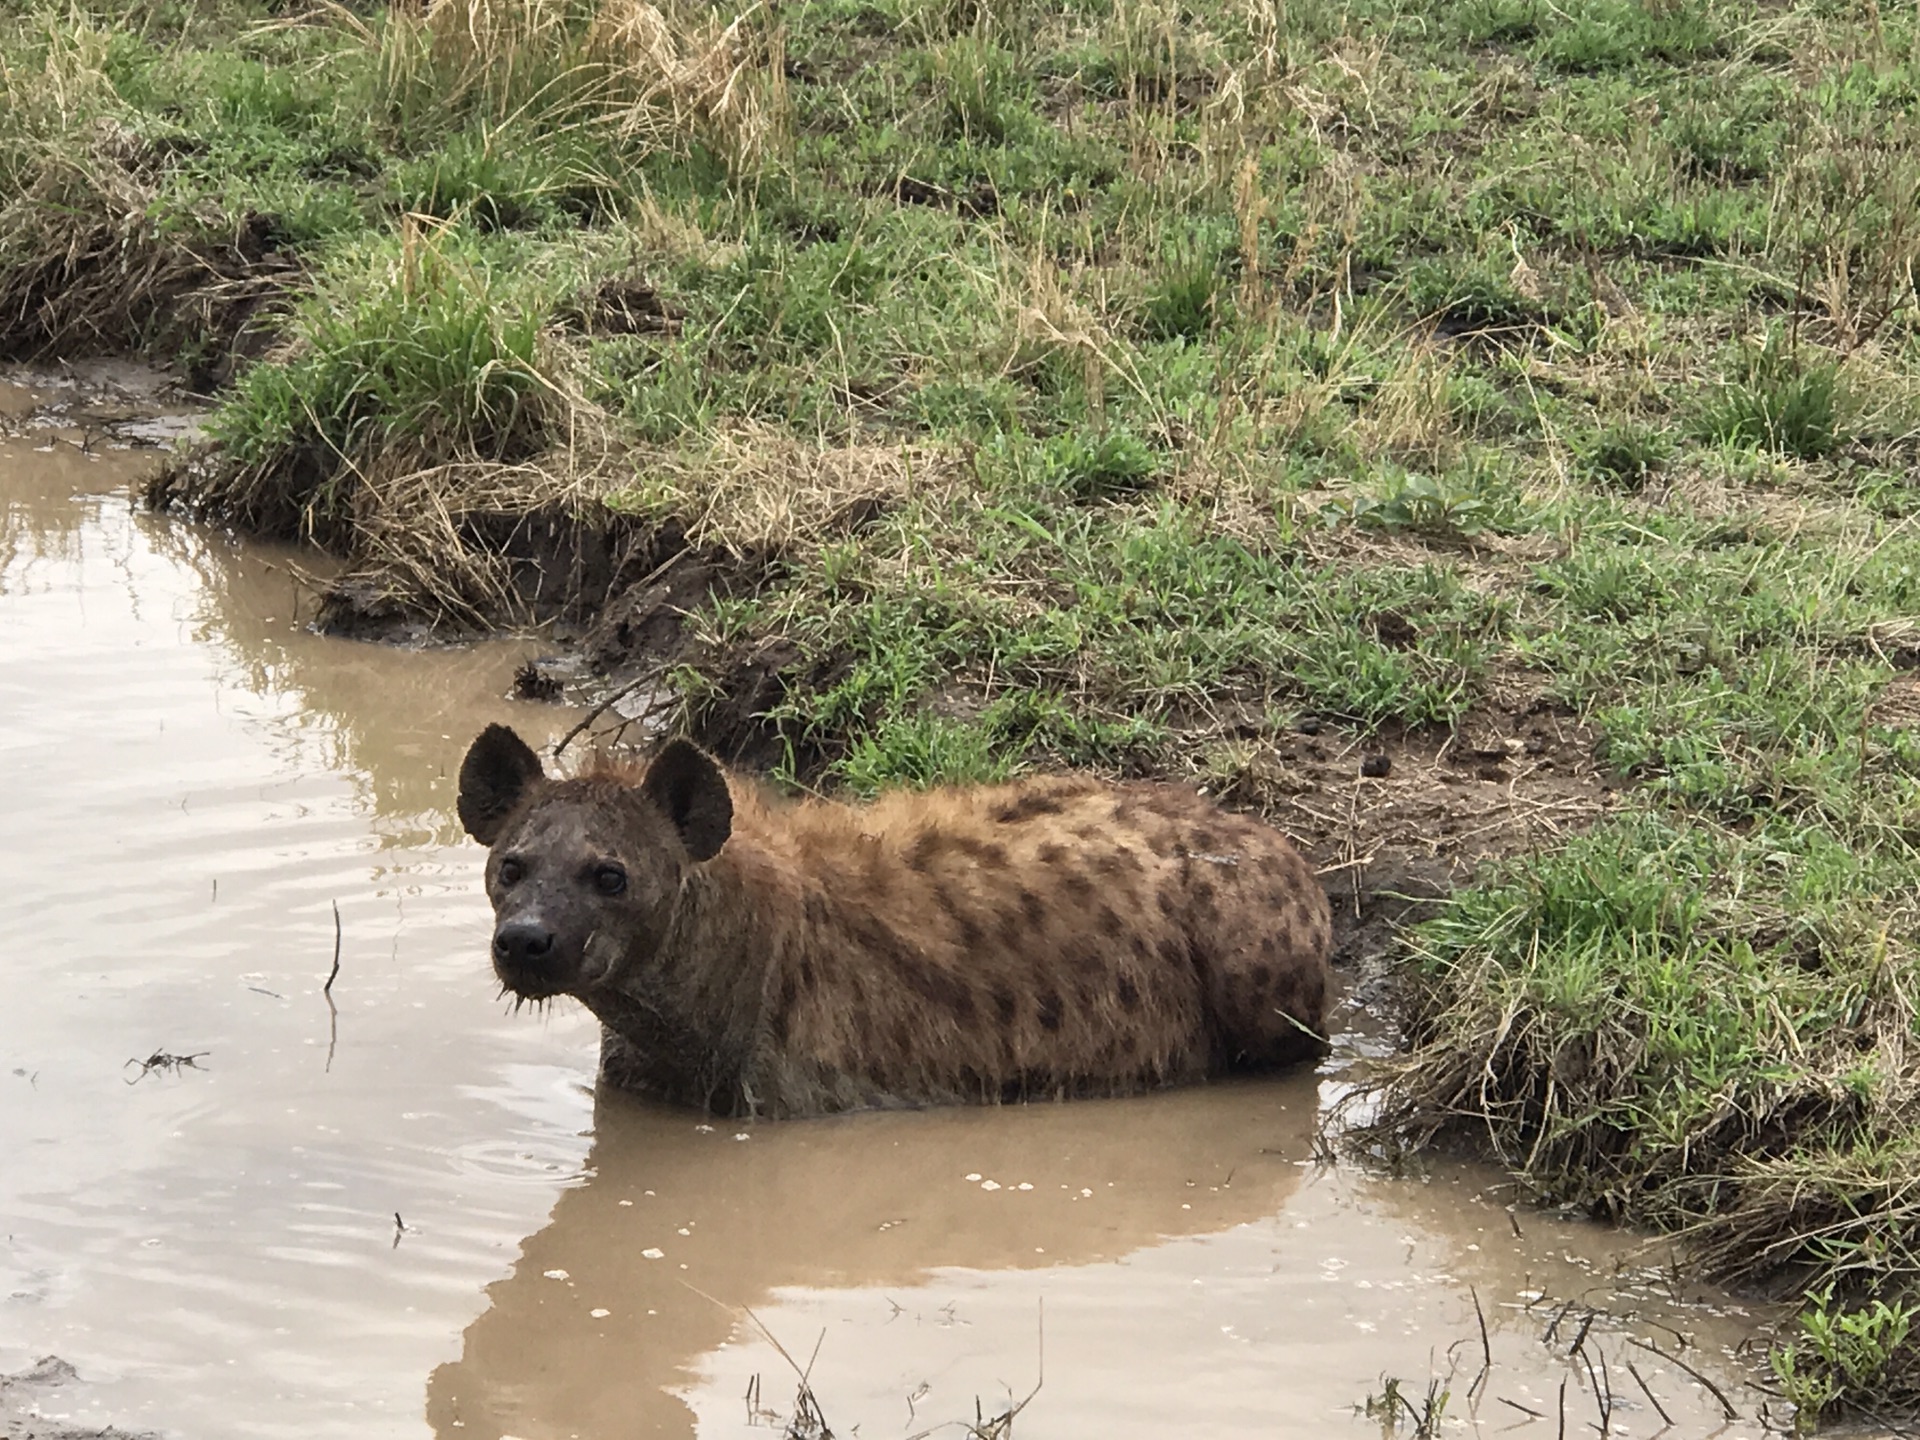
column 531, row 988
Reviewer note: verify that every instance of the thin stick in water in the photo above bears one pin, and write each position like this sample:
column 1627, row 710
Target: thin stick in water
column 1717, row 1392
column 1652, row 1398
column 1602, row 1391
column 597, row 711
column 1553, row 1327
column 334, row 974
column 333, row 1011
column 1486, row 1349
column 1581, row 1338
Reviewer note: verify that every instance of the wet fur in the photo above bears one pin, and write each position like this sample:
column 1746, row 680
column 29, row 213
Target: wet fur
column 1056, row 936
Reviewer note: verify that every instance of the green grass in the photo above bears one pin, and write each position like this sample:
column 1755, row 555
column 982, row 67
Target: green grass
column 1196, row 371
column 421, row 350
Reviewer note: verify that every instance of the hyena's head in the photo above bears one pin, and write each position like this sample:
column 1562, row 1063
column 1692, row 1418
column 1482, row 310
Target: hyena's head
column 585, row 874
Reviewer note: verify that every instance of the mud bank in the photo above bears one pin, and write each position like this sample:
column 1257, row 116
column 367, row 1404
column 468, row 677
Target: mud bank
column 624, row 609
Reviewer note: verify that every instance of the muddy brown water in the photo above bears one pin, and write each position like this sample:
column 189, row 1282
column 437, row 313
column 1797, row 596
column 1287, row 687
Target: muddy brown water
column 414, row 1216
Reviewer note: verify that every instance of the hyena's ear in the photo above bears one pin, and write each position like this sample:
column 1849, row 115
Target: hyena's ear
column 685, row 783
column 495, row 775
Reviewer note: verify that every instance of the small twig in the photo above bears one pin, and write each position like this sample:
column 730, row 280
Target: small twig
column 1601, row 1398
column 1553, row 1326
column 1563, row 1408
column 1001, row 1425
column 1652, row 1399
column 334, row 974
column 594, row 714
column 821, row 1339
column 1486, row 1348
column 1581, row 1338
column 806, row 1403
column 1352, row 848
column 333, row 1011
column 1718, row 1393
column 1670, row 1279
column 1523, row 1409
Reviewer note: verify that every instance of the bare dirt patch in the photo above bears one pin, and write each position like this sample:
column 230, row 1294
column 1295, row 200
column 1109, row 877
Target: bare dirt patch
column 1396, row 820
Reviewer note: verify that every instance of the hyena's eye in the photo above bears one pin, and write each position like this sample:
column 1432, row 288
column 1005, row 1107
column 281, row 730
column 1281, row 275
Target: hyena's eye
column 609, row 879
column 511, row 871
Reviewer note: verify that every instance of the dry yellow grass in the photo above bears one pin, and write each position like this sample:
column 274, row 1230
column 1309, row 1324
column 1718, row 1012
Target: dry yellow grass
column 648, row 75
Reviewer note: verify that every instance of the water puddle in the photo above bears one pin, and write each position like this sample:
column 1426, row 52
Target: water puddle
column 406, row 1213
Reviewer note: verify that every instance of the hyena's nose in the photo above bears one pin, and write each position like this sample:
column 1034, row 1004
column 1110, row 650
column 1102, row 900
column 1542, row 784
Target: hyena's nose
column 522, row 942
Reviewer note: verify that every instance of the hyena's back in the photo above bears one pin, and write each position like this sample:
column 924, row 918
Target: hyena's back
column 1057, row 934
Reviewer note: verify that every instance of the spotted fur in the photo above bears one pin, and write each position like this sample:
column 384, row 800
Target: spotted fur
column 1051, row 937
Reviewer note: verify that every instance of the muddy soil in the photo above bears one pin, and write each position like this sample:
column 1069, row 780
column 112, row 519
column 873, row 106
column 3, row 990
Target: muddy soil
column 1395, row 822
column 405, row 1211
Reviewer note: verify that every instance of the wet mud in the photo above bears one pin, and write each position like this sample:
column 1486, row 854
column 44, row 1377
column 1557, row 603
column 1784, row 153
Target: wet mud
column 37, row 1403
column 397, row 1209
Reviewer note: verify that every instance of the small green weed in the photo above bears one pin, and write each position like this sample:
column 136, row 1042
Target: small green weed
column 922, row 750
column 1458, row 505
column 977, row 83
column 1470, row 297
column 1616, row 34
column 493, row 184
column 1391, row 1406
column 1500, row 22
column 1184, row 303
column 1840, row 1351
column 1108, row 467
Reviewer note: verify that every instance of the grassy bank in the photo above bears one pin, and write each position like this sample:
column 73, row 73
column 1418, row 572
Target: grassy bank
column 1223, row 388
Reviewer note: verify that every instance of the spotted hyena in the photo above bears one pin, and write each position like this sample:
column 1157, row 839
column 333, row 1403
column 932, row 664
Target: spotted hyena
column 1055, row 936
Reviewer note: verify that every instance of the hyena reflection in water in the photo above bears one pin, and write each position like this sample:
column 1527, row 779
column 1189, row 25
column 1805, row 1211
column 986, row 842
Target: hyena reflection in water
column 1052, row 937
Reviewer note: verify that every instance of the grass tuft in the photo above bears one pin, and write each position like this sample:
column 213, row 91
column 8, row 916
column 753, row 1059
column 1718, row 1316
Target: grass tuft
column 617, row 69
column 1625, row 456
column 428, row 353
column 1778, row 400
